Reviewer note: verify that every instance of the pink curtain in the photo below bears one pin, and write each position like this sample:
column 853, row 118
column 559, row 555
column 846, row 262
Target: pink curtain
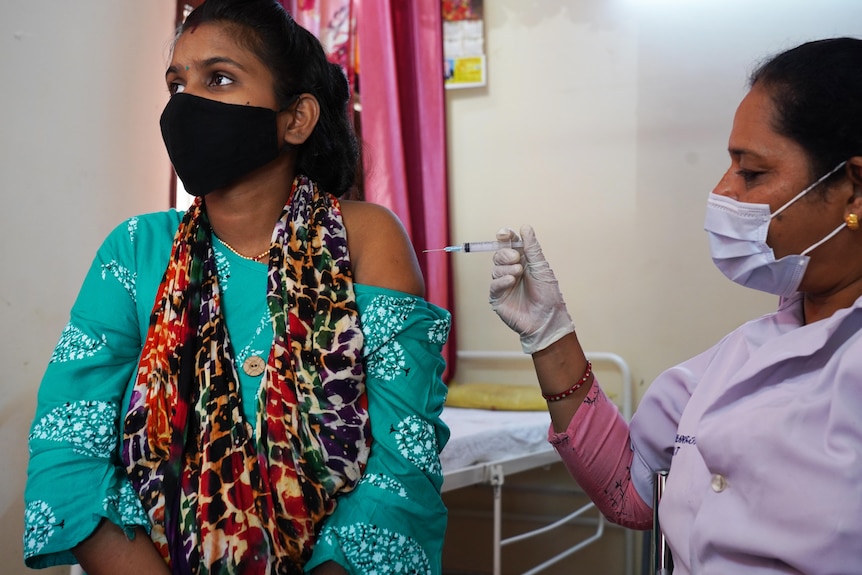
column 404, row 129
column 403, row 117
column 333, row 22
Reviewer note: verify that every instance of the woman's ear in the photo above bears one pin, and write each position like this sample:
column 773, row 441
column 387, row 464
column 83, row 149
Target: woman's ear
column 298, row 121
column 854, row 170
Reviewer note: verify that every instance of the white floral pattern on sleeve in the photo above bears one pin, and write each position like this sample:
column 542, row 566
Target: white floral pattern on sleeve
column 132, row 227
column 39, row 524
column 385, row 483
column 89, row 426
column 377, row 551
column 126, row 277
column 439, row 331
column 127, row 504
column 417, row 443
column 74, row 344
column 386, row 316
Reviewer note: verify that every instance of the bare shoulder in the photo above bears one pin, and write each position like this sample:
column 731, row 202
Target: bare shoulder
column 380, row 250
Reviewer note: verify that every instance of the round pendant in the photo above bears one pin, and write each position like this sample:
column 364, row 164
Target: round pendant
column 254, row 365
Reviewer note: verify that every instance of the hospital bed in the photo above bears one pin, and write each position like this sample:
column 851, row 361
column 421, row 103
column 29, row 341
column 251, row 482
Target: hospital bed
column 488, row 445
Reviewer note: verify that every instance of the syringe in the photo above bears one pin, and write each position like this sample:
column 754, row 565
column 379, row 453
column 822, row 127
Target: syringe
column 479, row 247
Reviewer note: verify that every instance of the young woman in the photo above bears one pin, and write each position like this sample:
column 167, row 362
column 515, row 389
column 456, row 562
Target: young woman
column 252, row 386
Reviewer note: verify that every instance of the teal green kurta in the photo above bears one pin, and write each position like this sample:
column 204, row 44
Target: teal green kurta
column 394, row 520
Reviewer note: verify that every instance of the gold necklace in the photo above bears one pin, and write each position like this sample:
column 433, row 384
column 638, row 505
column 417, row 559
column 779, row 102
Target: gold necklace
column 256, row 258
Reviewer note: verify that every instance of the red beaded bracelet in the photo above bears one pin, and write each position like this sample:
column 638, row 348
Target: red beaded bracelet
column 573, row 389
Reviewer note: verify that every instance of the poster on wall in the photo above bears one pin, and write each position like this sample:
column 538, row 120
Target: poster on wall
column 464, row 64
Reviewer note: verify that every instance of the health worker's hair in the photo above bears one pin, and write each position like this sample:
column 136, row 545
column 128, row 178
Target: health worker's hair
column 817, row 91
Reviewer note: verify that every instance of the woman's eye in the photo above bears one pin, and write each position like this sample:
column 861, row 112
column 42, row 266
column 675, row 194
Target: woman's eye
column 175, row 88
column 220, row 80
column 748, row 175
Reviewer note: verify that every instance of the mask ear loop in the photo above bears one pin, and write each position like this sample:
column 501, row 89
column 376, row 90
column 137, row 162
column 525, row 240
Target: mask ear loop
column 836, row 230
column 805, row 191
column 290, row 102
column 827, row 238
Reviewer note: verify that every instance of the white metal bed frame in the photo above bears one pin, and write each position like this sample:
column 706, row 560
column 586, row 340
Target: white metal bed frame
column 493, row 473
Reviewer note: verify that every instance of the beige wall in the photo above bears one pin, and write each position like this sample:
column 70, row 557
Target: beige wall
column 604, row 125
column 79, row 151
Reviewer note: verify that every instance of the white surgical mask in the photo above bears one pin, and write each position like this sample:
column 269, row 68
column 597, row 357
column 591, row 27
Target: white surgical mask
column 737, row 242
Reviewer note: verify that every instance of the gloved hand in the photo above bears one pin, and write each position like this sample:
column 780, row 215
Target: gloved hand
column 525, row 294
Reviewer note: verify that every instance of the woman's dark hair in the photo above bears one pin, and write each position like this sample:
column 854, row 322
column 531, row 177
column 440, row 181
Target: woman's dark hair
column 298, row 63
column 817, row 91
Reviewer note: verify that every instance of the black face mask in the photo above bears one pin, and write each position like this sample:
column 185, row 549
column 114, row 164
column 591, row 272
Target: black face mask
column 212, row 144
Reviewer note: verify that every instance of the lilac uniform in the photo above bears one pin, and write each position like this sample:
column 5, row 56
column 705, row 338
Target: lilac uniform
column 763, row 438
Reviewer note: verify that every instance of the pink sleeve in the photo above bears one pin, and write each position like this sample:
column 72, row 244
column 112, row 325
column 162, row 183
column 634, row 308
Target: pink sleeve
column 596, row 450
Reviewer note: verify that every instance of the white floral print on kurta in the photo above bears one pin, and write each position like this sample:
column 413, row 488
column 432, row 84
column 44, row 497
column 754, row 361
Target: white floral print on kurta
column 257, row 346
column 439, row 331
column 374, row 550
column 387, row 314
column 387, row 363
column 384, row 482
column 132, row 228
column 417, row 443
column 222, row 270
column 39, row 524
column 127, row 505
column 127, row 278
column 75, row 344
column 89, row 426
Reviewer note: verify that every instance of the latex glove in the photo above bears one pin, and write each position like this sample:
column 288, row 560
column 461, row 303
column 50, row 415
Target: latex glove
column 525, row 293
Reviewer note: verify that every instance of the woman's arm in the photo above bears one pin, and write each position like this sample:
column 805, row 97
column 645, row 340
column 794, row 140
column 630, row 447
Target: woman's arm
column 596, row 449
column 558, row 367
column 108, row 551
column 590, row 436
column 588, row 432
column 329, row 568
column 381, row 254
column 74, row 433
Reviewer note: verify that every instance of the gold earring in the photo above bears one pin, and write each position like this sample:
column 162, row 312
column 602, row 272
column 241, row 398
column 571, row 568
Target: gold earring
column 852, row 221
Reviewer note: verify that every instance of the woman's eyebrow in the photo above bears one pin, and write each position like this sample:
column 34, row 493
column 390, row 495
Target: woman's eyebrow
column 206, row 63
column 738, row 152
column 221, row 60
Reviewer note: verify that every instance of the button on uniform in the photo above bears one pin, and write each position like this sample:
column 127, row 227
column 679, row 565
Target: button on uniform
column 718, row 482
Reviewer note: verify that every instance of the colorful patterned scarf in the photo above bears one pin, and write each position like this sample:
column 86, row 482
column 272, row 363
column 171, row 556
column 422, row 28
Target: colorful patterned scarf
column 222, row 500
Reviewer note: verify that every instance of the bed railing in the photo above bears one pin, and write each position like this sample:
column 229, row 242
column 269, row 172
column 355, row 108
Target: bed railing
column 496, row 478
